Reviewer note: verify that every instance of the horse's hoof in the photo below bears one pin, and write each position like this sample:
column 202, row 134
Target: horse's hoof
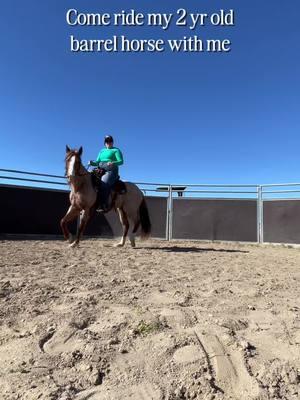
column 119, row 245
column 132, row 244
column 70, row 238
column 74, row 244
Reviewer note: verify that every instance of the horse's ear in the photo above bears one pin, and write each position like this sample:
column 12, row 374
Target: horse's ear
column 67, row 149
column 80, row 151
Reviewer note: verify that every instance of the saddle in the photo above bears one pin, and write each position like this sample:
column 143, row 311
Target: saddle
column 118, row 187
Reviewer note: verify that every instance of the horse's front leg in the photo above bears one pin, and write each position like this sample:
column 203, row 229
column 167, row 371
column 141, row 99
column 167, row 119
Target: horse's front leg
column 84, row 217
column 71, row 214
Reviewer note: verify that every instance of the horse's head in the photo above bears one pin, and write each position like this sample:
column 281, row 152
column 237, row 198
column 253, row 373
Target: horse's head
column 73, row 162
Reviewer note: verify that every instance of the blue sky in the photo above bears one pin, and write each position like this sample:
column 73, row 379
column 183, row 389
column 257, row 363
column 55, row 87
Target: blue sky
column 196, row 118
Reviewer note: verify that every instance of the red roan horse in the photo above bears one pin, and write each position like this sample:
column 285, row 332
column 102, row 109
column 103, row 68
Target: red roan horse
column 131, row 206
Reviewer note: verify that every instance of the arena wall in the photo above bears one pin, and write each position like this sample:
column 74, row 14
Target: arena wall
column 37, row 211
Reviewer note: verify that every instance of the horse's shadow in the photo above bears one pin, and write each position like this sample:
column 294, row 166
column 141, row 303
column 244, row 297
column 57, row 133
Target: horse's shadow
column 192, row 249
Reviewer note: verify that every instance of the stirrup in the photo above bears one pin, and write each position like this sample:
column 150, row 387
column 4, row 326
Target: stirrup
column 103, row 209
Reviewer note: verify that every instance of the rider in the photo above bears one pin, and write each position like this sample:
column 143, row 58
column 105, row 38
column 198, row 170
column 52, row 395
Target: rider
column 109, row 159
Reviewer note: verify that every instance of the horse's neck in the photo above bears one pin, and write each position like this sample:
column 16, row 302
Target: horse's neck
column 82, row 181
column 83, row 170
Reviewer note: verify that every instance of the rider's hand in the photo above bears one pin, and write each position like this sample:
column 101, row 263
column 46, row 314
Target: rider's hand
column 110, row 164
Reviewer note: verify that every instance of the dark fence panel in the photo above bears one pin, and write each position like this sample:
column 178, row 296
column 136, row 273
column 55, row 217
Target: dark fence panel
column 38, row 211
column 215, row 219
column 282, row 221
column 32, row 211
column 157, row 207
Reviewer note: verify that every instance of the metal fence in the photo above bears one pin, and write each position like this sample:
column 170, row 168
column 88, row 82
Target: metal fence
column 269, row 206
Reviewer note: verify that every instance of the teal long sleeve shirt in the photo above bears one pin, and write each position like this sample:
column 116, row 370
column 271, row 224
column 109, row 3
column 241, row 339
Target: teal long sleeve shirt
column 113, row 155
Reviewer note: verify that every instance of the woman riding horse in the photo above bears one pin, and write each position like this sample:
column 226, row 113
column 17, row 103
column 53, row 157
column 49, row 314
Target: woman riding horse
column 109, row 159
column 131, row 206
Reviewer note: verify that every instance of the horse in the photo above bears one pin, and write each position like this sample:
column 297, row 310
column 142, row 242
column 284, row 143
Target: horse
column 131, row 206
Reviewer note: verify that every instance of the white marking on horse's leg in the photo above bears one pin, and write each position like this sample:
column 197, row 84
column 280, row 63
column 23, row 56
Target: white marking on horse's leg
column 125, row 225
column 71, row 166
column 74, row 244
column 121, row 243
column 132, row 231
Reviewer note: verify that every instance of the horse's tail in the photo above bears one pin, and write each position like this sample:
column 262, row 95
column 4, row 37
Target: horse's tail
column 145, row 220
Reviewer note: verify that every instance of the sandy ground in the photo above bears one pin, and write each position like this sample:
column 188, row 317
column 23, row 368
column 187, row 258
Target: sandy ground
column 179, row 320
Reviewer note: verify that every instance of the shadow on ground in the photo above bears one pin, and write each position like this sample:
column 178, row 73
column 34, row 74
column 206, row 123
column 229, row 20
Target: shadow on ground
column 192, row 249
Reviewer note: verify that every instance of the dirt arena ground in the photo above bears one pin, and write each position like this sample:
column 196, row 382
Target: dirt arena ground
column 164, row 321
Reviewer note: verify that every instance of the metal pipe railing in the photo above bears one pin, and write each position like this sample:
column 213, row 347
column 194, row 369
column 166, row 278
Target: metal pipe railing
column 32, row 180
column 215, row 191
column 281, row 191
column 213, row 185
column 31, row 173
column 280, row 184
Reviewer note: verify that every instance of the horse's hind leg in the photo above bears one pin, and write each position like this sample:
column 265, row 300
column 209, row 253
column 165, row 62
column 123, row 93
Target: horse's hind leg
column 71, row 214
column 125, row 225
column 136, row 225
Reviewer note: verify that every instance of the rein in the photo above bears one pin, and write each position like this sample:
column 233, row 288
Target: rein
column 75, row 176
column 73, row 180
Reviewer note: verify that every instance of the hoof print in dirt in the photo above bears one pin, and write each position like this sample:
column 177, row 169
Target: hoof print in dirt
column 80, row 324
column 96, row 377
column 45, row 338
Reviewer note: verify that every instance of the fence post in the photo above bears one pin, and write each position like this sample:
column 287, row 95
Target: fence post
column 260, row 216
column 168, row 215
column 171, row 213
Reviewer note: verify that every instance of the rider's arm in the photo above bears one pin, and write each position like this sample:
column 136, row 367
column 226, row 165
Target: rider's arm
column 96, row 163
column 119, row 158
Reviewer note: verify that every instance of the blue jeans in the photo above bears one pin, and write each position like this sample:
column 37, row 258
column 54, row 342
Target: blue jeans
column 107, row 181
